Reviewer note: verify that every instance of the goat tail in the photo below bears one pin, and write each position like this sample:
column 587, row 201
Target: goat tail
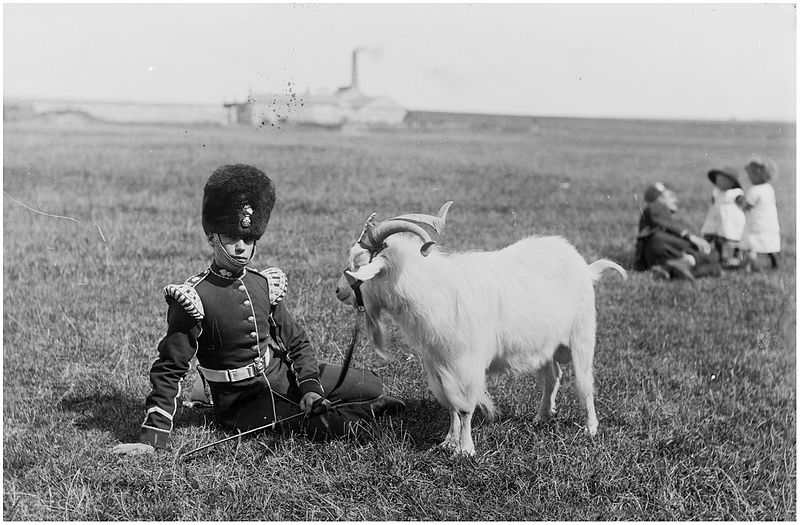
column 598, row 267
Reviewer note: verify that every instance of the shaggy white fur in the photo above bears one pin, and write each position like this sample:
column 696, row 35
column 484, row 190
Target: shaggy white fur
column 524, row 308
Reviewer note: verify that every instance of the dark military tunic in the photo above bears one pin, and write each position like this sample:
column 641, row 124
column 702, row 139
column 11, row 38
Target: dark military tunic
column 228, row 322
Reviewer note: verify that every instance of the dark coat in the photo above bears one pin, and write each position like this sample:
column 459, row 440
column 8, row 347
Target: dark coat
column 663, row 236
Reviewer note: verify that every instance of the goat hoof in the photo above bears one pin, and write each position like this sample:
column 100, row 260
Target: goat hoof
column 463, row 452
column 448, row 444
column 546, row 418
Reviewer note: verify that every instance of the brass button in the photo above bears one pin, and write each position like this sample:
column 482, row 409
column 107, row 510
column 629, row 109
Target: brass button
column 254, row 348
column 251, row 319
column 247, row 302
column 242, row 288
column 253, row 335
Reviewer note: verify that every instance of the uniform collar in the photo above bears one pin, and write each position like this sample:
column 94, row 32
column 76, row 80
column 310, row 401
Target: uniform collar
column 225, row 273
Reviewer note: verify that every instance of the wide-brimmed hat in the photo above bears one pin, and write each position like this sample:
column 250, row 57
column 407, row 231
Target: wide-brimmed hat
column 654, row 190
column 727, row 172
column 237, row 201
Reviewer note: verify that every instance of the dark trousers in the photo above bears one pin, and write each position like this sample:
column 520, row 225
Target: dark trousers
column 248, row 404
column 662, row 246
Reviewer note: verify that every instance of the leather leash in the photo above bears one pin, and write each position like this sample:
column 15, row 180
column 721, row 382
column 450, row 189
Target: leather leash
column 347, row 358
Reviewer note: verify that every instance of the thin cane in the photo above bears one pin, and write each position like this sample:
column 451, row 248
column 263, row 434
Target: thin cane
column 240, row 434
column 314, row 406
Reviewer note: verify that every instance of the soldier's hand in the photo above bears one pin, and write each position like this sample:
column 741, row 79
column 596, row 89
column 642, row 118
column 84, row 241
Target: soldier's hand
column 133, row 449
column 307, row 403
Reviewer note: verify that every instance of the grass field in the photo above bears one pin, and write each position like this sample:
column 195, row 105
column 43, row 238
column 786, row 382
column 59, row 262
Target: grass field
column 695, row 386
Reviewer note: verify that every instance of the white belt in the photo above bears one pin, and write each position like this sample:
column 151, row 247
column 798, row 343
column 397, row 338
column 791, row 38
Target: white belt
column 235, row 374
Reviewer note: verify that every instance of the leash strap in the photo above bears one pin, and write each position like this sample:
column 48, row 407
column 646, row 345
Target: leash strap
column 321, row 405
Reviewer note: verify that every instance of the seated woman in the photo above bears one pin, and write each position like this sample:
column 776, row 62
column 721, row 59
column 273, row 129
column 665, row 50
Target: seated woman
column 664, row 244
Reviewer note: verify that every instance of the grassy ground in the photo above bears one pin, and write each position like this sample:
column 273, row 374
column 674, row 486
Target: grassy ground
column 695, row 386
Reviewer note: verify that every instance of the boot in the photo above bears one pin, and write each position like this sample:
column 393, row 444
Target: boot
column 387, row 405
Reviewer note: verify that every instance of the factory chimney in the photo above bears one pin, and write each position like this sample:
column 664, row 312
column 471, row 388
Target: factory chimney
column 354, row 79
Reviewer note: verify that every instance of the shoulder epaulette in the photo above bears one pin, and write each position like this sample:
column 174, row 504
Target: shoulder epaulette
column 278, row 283
column 187, row 296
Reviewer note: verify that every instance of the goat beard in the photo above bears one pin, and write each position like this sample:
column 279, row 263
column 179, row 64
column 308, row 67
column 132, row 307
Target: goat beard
column 376, row 331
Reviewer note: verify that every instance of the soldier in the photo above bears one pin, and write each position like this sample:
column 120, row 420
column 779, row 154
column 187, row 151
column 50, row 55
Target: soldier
column 255, row 358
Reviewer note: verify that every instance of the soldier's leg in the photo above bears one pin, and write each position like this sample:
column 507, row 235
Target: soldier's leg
column 359, row 399
column 244, row 405
column 358, row 384
column 242, row 409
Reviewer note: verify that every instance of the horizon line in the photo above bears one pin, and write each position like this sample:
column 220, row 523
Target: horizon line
column 15, row 98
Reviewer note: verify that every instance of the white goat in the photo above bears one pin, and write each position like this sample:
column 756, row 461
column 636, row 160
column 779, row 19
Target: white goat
column 526, row 307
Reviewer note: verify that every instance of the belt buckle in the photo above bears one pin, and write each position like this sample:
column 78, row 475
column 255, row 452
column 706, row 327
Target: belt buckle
column 259, row 363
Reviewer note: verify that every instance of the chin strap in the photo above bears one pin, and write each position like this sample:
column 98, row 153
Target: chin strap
column 217, row 243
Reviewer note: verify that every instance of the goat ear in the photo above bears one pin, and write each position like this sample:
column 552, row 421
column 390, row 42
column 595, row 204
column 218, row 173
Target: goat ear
column 368, row 271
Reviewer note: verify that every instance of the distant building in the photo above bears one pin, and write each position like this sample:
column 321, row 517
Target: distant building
column 114, row 112
column 348, row 105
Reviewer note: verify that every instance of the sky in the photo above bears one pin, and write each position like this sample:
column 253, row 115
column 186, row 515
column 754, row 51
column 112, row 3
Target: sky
column 697, row 61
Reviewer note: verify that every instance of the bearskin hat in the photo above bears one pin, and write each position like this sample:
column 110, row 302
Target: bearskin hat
column 237, row 201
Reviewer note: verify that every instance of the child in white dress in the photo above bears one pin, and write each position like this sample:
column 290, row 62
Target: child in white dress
column 762, row 233
column 725, row 220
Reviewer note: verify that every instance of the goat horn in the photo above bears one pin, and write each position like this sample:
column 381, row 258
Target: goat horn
column 374, row 236
column 436, row 222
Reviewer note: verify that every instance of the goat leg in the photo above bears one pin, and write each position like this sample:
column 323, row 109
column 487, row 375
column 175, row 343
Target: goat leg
column 466, row 446
column 451, row 441
column 548, row 377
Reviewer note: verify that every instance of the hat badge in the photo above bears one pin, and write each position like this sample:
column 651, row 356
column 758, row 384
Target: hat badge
column 247, row 211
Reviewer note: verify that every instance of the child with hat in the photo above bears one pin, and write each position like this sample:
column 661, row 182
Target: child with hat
column 762, row 232
column 725, row 220
column 664, row 244
column 256, row 359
